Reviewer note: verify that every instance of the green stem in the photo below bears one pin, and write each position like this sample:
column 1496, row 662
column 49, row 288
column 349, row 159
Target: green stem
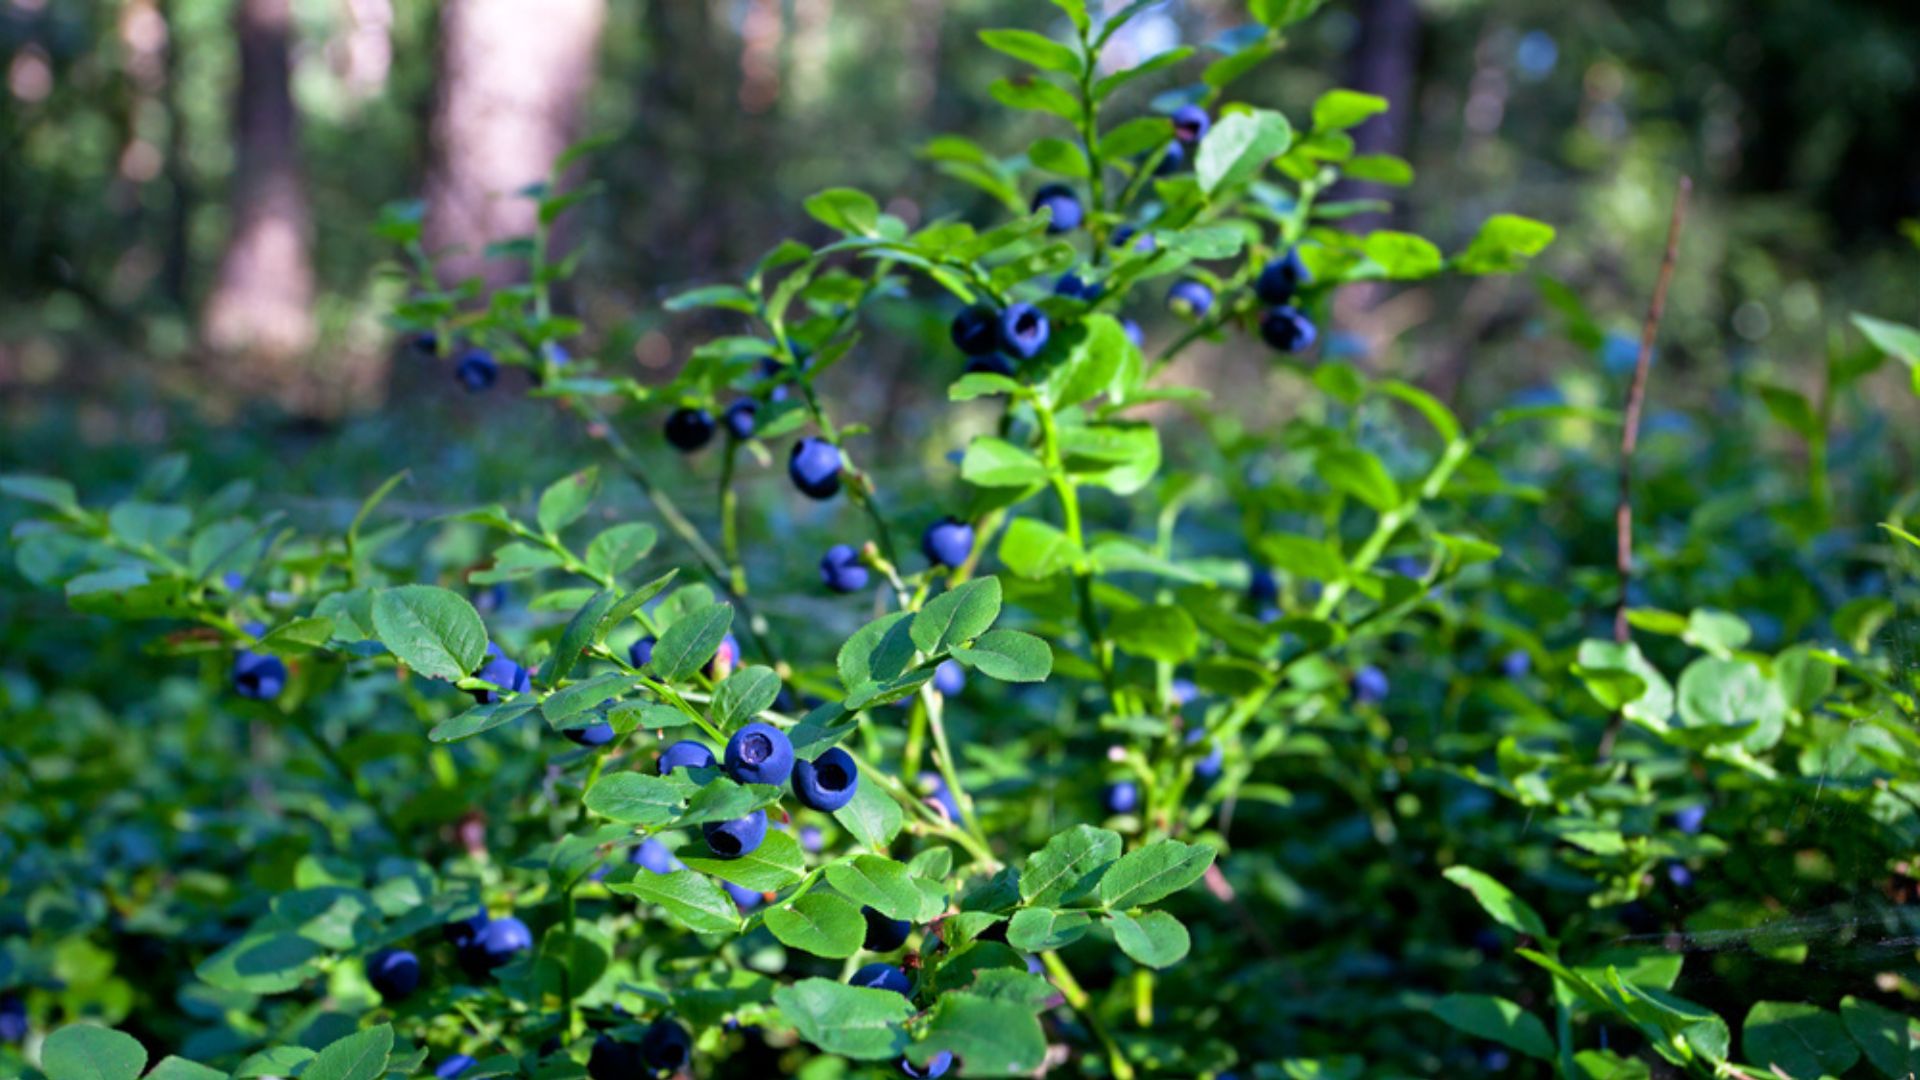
column 729, row 522
column 1077, row 998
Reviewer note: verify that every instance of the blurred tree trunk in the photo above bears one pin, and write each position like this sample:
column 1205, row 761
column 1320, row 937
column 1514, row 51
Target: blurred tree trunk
column 513, row 76
column 1385, row 57
column 262, row 298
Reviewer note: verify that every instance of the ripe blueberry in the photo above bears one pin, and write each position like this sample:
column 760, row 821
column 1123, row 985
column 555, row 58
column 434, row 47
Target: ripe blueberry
column 666, row 1046
column 1143, row 242
column 1679, row 875
column 503, row 673
column 1132, row 330
column 1023, row 330
column 689, row 429
column 976, row 330
column 759, row 754
column 686, row 753
column 741, row 836
column 1190, row 124
column 1262, row 587
column 258, row 676
column 1287, row 329
column 496, row 943
column 884, row 934
column 1074, row 287
column 936, row 788
column 477, row 370
column 990, row 364
column 841, row 570
column 1516, row 664
column 612, row 1059
column 453, row 1067
column 937, row 1065
column 1122, row 797
column 826, row 783
column 949, row 678
column 1190, row 299
column 1369, row 685
column 1689, row 819
column 13, row 1018
column 882, row 977
column 947, row 542
column 425, row 343
column 598, row 733
column 394, row 972
column 1064, row 204
column 641, row 651
column 490, row 599
column 1174, row 160
column 812, row 840
column 814, row 467
column 1180, row 692
column 1281, row 278
column 741, row 417
column 461, row 933
column 743, row 898
column 1207, row 768
column 654, row 857
column 556, row 354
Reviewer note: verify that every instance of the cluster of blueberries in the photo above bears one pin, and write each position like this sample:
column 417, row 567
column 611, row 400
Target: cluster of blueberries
column 1123, row 796
column 477, row 370
column 760, row 753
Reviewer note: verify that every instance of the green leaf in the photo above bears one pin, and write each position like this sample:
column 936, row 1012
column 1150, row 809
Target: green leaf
column 1791, row 408
column 1008, row 655
column 1379, row 169
column 1648, row 699
column 1732, row 694
column 956, row 616
column 720, row 799
column 567, row 499
column 1093, row 361
column 774, row 865
column 581, row 634
column 1503, row 245
column 1890, row 1040
column 359, row 1056
column 1717, row 632
column 1106, row 87
column 1035, row 550
column 850, row 211
column 1058, row 156
column 1797, row 1039
column 563, row 705
column 1338, row 110
column 1360, row 474
column 1040, row 51
column 1034, row 95
column 1498, row 901
column 1497, row 1019
column 731, row 297
column 688, row 899
column 432, row 630
column 877, row 652
column 1038, row 929
column 274, row 1061
column 744, row 695
column 1162, row 632
column 481, row 718
column 858, row 1022
column 614, row 551
column 687, row 645
column 993, row 462
column 879, row 883
column 1070, row 866
column 1155, row 939
column 1895, row 339
column 1238, row 146
column 1152, row 873
column 45, row 490
column 178, row 1068
column 872, row 817
column 1402, row 256
column 819, row 923
column 1136, row 136
column 634, row 798
column 262, row 962
column 990, row 1036
column 89, row 1052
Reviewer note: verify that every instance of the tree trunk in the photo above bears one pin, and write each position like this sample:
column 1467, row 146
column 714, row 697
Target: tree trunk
column 262, row 299
column 1384, row 59
column 513, row 77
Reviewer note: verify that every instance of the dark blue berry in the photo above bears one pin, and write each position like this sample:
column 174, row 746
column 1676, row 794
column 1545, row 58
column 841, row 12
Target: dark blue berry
column 556, row 354
column 598, row 733
column 812, row 840
column 496, row 943
column 1207, row 768
column 654, row 857
column 461, row 933
column 689, row 429
column 882, row 977
column 425, row 343
column 937, row 1065
column 1679, row 875
column 1064, row 205
column 947, row 542
column 1287, row 329
column 991, row 364
column 1122, row 797
column 741, row 418
column 976, row 330
column 1281, row 278
column 612, row 1059
column 841, row 569
column 640, row 653
column 937, row 791
column 503, row 673
column 884, row 934
column 1190, row 124
column 1369, row 685
column 13, row 1018
column 826, row 783
column 741, row 836
column 814, row 467
column 666, row 1046
column 759, row 754
column 394, row 972
column 685, row 753
column 1190, row 299
column 1074, row 287
column 1262, row 587
column 453, row 1067
column 1516, row 664
column 744, row 898
column 1143, row 242
column 949, row 678
column 1024, row 330
column 1132, row 330
column 1173, row 161
column 258, row 676
column 477, row 370
column 1689, row 819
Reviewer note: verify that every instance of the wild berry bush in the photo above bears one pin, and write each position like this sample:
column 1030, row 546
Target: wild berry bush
column 1163, row 746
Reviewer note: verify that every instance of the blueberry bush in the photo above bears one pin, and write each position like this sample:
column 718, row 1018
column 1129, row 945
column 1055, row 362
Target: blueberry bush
column 1160, row 746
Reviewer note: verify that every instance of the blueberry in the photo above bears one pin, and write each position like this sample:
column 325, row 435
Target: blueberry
column 13, row 1018
column 1516, row 664
column 689, row 429
column 990, row 364
column 740, row 418
column 812, row 840
column 976, row 330
column 841, row 570
column 1287, row 329
column 503, row 673
column 1180, row 692
column 556, row 354
column 1023, row 330
column 1262, row 587
column 461, row 933
column 425, row 343
column 1689, row 819
column 477, row 370
column 490, row 599
column 1207, row 768
column 937, row 791
column 641, row 652
column 666, row 1045
column 1132, row 330
column 1174, row 160
column 1143, row 242
column 725, row 659
column 884, row 934
column 882, row 977
column 1064, row 204
column 394, row 972
column 1369, row 685
column 937, row 1065
column 233, row 581
column 1190, row 124
column 1074, row 287
column 826, row 783
column 496, row 943
column 686, row 753
column 949, row 678
column 759, row 754
column 612, row 1059
column 598, row 733
column 258, row 676
column 1122, row 797
column 453, row 1067
column 743, row 898
column 815, row 468
column 654, row 857
column 741, row 836
column 1190, row 299
column 1281, row 278
column 947, row 542
column 1680, row 876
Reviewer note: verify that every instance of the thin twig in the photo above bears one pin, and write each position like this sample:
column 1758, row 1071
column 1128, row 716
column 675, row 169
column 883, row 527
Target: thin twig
column 1630, row 434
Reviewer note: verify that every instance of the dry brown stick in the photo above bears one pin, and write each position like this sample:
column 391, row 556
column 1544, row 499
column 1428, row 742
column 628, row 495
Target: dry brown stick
column 1630, row 433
